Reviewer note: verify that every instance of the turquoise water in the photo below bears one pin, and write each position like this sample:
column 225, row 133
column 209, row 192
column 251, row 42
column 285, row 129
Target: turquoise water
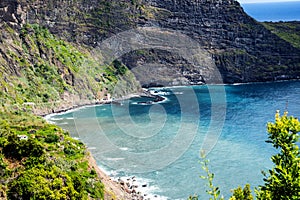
column 160, row 143
column 275, row 11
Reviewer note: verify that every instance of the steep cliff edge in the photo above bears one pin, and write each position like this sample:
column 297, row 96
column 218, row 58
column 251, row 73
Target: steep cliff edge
column 242, row 49
column 45, row 74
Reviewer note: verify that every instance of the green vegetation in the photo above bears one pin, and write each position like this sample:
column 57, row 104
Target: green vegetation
column 44, row 63
column 42, row 69
column 242, row 194
column 289, row 31
column 41, row 72
column 283, row 181
column 213, row 191
column 48, row 164
column 67, row 54
column 45, row 67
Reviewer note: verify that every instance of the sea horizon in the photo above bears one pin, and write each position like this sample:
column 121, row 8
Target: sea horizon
column 273, row 11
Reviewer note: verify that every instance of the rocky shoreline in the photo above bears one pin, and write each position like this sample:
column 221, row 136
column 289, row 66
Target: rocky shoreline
column 119, row 189
column 75, row 103
column 122, row 188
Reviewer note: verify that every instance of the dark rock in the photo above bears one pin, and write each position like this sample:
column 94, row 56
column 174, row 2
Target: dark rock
column 242, row 49
column 32, row 131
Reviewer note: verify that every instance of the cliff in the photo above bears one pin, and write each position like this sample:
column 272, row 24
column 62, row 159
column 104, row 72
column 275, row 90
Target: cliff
column 44, row 73
column 242, row 49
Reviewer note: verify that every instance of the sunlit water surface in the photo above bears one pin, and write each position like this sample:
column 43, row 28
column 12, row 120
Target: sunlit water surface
column 139, row 127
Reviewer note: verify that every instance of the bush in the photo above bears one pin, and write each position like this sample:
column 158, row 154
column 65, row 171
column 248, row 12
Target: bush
column 19, row 149
column 52, row 138
column 242, row 194
column 48, row 184
column 283, row 181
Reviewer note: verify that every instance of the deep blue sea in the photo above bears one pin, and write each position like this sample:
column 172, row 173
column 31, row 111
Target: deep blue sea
column 160, row 143
column 277, row 11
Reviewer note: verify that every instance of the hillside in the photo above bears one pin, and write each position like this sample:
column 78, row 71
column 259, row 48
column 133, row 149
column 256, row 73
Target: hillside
column 242, row 49
column 289, row 31
column 41, row 161
column 46, row 74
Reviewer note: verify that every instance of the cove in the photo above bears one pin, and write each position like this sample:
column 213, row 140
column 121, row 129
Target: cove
column 160, row 142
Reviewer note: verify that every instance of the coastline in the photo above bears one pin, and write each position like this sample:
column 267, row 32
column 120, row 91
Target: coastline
column 68, row 106
column 114, row 189
column 134, row 187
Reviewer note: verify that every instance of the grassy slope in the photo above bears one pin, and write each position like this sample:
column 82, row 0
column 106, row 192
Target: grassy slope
column 41, row 66
column 49, row 165
column 289, row 31
column 37, row 67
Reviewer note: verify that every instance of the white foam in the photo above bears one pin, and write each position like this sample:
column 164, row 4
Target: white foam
column 163, row 101
column 56, row 119
column 107, row 172
column 143, row 103
column 63, row 123
column 159, row 93
column 149, row 191
column 144, row 186
column 51, row 122
column 114, row 159
column 49, row 117
column 178, row 93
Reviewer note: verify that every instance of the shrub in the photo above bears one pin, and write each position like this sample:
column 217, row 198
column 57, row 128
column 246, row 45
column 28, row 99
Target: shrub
column 283, row 181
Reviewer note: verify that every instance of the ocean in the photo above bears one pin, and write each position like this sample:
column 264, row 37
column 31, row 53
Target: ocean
column 160, row 143
column 277, row 11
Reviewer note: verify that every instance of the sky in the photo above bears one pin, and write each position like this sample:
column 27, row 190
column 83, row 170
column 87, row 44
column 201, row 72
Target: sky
column 261, row 1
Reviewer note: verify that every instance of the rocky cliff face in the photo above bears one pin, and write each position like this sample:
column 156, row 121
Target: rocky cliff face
column 45, row 73
column 242, row 49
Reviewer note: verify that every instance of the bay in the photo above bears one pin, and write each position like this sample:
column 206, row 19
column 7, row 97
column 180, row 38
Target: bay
column 160, row 143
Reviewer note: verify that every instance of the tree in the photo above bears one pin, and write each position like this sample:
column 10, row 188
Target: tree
column 283, row 181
